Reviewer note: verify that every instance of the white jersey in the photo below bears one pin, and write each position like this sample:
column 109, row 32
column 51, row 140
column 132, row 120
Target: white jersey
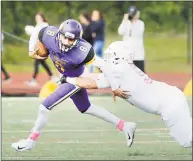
column 119, row 71
column 153, row 97
column 146, row 94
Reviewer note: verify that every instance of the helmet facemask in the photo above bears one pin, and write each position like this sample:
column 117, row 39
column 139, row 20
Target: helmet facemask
column 110, row 56
column 119, row 52
column 67, row 41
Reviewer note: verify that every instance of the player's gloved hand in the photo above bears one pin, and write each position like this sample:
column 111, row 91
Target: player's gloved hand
column 62, row 80
column 120, row 93
column 34, row 55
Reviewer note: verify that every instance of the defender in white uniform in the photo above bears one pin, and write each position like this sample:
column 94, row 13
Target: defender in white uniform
column 146, row 94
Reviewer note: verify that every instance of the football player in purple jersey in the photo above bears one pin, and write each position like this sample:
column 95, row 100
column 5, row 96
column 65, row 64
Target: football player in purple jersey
column 69, row 53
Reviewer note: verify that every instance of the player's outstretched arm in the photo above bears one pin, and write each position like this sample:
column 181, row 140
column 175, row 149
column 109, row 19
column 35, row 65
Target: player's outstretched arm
column 89, row 83
column 83, row 82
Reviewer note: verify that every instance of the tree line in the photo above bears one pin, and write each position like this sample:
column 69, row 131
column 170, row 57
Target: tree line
column 157, row 15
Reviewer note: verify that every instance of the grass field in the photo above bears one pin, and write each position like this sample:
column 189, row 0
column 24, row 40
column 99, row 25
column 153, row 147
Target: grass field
column 164, row 53
column 70, row 135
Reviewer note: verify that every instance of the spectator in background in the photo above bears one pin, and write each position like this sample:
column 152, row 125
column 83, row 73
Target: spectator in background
column 98, row 33
column 86, row 25
column 132, row 29
column 41, row 22
column 6, row 75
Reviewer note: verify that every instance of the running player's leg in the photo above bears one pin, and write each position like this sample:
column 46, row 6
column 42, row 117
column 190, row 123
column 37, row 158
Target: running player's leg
column 62, row 92
column 83, row 104
column 179, row 120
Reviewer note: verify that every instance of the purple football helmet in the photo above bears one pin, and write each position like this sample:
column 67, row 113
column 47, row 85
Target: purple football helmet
column 71, row 30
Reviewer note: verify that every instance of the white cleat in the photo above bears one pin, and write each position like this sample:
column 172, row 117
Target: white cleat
column 24, row 144
column 129, row 131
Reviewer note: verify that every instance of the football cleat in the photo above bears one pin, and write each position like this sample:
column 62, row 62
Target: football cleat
column 129, row 131
column 24, row 144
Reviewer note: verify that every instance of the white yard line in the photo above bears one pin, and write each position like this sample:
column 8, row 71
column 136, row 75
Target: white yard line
column 82, row 130
column 100, row 142
column 92, row 98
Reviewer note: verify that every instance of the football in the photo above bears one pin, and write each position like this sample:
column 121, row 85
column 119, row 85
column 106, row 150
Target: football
column 43, row 52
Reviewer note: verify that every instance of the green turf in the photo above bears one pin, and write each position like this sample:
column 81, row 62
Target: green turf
column 164, row 53
column 70, row 135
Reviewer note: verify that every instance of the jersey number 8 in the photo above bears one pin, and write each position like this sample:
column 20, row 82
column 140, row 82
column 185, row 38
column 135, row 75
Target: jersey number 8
column 51, row 33
column 82, row 48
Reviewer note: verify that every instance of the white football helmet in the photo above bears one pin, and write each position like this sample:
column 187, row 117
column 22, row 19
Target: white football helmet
column 119, row 51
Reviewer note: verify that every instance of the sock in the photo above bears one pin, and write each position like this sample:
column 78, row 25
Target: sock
column 40, row 123
column 105, row 115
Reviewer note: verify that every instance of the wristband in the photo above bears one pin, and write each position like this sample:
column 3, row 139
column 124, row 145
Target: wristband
column 71, row 80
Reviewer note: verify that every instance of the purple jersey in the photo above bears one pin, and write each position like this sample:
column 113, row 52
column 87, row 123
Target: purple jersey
column 67, row 63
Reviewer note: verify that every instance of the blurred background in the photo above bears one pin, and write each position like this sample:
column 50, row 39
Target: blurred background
column 167, row 38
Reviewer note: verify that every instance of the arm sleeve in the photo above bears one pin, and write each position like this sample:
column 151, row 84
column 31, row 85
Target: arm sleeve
column 102, row 82
column 89, row 58
column 109, row 74
column 122, row 30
